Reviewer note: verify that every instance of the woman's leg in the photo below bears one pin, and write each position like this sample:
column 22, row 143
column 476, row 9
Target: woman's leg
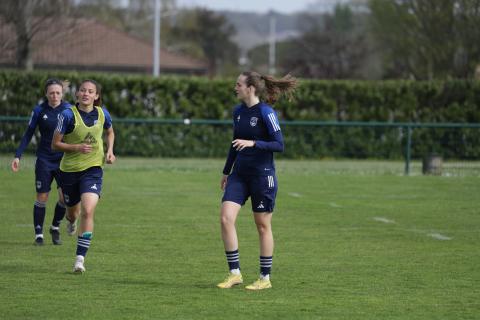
column 88, row 203
column 72, row 215
column 58, row 215
column 263, row 222
column 264, row 227
column 228, row 216
column 39, row 216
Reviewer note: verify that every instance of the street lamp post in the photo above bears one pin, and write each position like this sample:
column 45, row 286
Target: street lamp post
column 271, row 51
column 156, row 40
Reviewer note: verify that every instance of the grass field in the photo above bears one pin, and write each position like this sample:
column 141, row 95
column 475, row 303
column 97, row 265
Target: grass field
column 354, row 240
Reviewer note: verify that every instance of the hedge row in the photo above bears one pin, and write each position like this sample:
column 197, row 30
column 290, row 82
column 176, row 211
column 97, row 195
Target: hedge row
column 201, row 98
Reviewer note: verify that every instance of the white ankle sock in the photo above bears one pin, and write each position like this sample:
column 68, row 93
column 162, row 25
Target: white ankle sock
column 235, row 271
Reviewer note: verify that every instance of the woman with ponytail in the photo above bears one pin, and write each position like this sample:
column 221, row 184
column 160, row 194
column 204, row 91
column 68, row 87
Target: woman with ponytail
column 256, row 136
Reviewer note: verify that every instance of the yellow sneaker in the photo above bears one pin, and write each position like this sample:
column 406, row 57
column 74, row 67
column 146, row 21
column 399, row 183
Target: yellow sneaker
column 260, row 284
column 230, row 281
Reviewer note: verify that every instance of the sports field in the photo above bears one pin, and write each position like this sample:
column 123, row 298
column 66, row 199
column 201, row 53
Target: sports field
column 354, row 240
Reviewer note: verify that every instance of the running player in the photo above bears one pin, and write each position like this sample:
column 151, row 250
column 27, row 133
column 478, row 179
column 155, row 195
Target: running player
column 79, row 134
column 256, row 136
column 44, row 116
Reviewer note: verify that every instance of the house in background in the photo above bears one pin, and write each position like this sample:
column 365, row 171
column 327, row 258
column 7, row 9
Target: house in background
column 88, row 45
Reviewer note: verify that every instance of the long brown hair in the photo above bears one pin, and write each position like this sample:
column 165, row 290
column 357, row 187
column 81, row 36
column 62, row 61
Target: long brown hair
column 98, row 88
column 269, row 88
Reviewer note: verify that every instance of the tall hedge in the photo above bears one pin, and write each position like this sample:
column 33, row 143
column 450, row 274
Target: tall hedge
column 169, row 97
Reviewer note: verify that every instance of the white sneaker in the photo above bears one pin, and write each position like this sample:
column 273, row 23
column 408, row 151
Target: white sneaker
column 78, row 267
column 71, row 227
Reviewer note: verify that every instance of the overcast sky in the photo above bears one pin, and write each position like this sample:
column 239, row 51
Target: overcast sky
column 259, row 6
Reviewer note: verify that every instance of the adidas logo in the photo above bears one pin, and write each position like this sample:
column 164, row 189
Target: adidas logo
column 94, row 187
column 260, row 206
column 45, row 117
column 89, row 139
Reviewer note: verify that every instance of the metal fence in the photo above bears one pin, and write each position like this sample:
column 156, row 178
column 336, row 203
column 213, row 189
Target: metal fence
column 430, row 143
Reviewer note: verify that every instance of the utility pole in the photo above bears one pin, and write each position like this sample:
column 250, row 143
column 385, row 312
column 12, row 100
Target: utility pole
column 156, row 40
column 271, row 51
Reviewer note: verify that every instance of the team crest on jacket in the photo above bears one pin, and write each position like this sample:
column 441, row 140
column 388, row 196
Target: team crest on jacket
column 253, row 121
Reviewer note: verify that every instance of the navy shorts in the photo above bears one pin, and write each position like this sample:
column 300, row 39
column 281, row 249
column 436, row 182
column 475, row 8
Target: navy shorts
column 74, row 184
column 261, row 189
column 45, row 172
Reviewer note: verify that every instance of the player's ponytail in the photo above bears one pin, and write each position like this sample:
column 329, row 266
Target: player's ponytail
column 269, row 88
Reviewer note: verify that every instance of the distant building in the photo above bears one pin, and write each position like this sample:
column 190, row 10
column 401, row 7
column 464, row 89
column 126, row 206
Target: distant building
column 88, row 45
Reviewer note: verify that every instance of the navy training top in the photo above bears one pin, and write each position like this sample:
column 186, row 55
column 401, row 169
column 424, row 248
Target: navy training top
column 258, row 123
column 45, row 117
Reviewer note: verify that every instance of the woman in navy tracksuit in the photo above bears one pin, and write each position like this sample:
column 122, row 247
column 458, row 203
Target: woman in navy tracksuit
column 44, row 116
column 256, row 137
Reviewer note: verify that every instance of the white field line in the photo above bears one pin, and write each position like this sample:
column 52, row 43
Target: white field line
column 294, row 194
column 434, row 235
column 438, row 236
column 384, row 220
column 334, row 205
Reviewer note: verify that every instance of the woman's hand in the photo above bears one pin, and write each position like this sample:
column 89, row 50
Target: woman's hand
column 84, row 148
column 223, row 182
column 240, row 144
column 15, row 164
column 110, row 158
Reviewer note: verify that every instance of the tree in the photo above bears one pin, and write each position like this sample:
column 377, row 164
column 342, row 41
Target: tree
column 427, row 39
column 207, row 35
column 28, row 18
column 330, row 47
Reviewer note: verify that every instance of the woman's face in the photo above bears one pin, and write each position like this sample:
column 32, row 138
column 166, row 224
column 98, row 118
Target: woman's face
column 87, row 94
column 54, row 95
column 241, row 89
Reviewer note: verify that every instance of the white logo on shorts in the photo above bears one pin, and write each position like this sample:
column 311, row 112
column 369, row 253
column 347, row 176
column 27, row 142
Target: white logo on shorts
column 66, row 197
column 94, row 187
column 39, row 184
column 260, row 206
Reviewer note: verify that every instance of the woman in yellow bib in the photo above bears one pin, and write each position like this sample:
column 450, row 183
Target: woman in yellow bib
column 79, row 134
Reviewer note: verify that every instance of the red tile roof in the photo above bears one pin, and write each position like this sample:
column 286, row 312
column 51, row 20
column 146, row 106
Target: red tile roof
column 86, row 44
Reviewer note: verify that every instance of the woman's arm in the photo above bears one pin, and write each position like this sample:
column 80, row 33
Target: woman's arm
column 59, row 145
column 110, row 157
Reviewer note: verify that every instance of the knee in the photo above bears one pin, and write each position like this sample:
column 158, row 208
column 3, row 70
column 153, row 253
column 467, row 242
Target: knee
column 42, row 197
column 87, row 213
column 263, row 228
column 225, row 220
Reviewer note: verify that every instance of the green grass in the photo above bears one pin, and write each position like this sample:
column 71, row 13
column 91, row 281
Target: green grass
column 157, row 252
